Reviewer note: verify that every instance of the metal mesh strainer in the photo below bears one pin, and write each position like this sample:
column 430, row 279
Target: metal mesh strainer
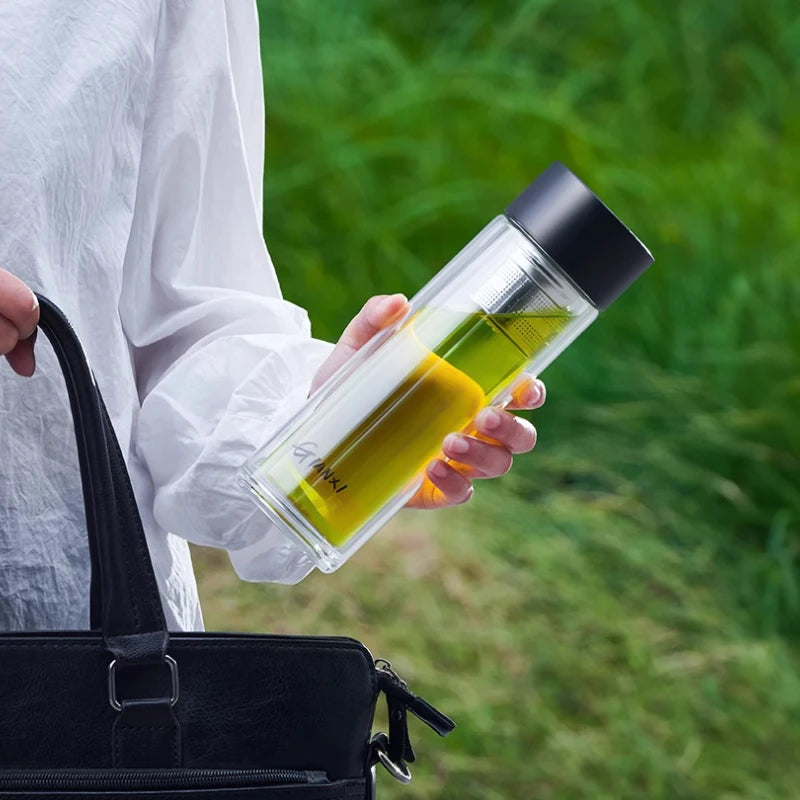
column 520, row 308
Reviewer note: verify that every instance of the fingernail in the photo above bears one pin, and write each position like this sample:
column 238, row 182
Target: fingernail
column 534, row 393
column 490, row 419
column 439, row 469
column 35, row 302
column 455, row 443
column 392, row 304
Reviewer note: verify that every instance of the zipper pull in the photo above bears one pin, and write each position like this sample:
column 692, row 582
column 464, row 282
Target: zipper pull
column 431, row 716
column 394, row 750
column 394, row 687
column 384, row 666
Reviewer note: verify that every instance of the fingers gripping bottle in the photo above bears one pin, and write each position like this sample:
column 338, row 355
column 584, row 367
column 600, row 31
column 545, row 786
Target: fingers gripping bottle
column 513, row 299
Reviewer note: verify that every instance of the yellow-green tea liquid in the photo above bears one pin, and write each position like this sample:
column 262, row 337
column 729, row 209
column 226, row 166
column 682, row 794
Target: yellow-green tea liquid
column 377, row 433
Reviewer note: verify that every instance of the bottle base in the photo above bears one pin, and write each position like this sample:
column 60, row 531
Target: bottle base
column 285, row 517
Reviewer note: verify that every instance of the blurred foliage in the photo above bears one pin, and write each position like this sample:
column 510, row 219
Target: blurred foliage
column 619, row 616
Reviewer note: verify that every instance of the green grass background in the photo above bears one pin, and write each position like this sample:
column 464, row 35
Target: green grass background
column 619, row 617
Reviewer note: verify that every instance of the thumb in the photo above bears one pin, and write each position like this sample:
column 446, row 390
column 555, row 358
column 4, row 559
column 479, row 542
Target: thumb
column 378, row 313
column 21, row 358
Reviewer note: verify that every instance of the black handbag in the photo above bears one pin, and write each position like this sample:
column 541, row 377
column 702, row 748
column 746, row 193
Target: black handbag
column 127, row 709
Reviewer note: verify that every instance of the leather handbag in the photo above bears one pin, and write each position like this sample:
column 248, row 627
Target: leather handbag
column 127, row 709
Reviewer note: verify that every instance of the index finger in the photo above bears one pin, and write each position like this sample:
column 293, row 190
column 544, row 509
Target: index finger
column 18, row 304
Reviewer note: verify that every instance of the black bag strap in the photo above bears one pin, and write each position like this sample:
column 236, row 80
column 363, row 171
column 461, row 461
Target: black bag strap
column 127, row 603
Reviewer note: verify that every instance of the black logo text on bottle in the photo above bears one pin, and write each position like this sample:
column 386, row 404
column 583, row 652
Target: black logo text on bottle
column 306, row 455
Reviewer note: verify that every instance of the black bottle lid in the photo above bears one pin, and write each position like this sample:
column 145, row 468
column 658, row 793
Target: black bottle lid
column 573, row 226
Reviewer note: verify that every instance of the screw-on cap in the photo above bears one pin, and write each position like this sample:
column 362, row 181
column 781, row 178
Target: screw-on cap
column 573, row 226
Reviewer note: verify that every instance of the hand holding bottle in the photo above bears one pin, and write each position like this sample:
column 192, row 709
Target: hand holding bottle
column 498, row 434
column 407, row 420
column 19, row 315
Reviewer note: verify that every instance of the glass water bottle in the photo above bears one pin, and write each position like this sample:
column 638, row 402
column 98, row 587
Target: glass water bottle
column 513, row 299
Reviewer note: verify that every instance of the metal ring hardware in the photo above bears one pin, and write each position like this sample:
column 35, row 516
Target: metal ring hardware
column 112, row 683
column 400, row 772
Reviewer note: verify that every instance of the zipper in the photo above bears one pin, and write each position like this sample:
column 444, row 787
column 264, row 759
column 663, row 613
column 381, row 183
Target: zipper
column 152, row 779
column 382, row 665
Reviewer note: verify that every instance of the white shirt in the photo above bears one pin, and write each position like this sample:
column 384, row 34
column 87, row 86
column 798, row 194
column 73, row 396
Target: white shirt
column 131, row 157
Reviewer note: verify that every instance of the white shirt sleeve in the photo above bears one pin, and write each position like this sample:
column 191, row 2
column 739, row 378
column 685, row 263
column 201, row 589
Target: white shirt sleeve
column 220, row 358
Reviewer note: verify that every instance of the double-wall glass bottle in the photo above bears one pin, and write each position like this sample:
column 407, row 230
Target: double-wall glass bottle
column 506, row 305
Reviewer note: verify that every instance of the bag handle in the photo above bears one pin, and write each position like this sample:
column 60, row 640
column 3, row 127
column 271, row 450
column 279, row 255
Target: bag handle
column 127, row 601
